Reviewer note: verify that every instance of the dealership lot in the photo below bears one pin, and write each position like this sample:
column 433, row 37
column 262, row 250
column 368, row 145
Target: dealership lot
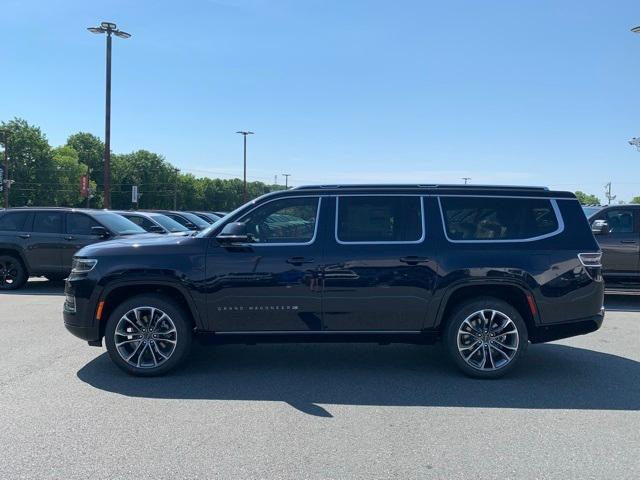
column 314, row 411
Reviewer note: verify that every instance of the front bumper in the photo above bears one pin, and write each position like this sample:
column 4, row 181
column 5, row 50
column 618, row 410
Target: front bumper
column 556, row 331
column 79, row 314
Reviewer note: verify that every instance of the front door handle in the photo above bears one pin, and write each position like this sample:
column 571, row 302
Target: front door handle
column 297, row 261
column 69, row 238
column 628, row 241
column 25, row 235
column 413, row 260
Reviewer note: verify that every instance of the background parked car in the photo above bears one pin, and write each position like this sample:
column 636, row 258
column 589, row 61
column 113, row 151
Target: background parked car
column 189, row 220
column 207, row 216
column 154, row 222
column 617, row 229
column 590, row 210
column 42, row 241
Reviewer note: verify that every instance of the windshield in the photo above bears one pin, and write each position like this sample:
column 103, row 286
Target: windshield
column 215, row 224
column 169, row 223
column 196, row 220
column 588, row 211
column 117, row 224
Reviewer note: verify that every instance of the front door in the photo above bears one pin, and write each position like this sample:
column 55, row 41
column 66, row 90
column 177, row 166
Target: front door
column 621, row 244
column 270, row 283
column 379, row 273
column 77, row 235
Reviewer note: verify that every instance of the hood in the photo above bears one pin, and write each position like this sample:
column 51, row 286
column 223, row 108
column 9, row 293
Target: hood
column 137, row 244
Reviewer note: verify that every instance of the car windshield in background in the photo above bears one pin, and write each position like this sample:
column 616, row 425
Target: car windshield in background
column 118, row 224
column 169, row 223
column 588, row 211
column 196, row 220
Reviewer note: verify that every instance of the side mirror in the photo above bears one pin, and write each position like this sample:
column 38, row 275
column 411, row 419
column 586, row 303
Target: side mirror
column 100, row 232
column 156, row 229
column 234, row 232
column 600, row 227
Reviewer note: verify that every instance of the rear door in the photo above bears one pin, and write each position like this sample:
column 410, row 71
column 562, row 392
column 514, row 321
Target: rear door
column 379, row 270
column 621, row 245
column 46, row 242
column 77, row 235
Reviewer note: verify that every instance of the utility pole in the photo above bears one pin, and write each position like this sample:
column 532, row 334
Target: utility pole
column 607, row 193
column 175, row 190
column 244, row 134
column 286, row 180
column 6, row 183
column 466, row 179
column 110, row 29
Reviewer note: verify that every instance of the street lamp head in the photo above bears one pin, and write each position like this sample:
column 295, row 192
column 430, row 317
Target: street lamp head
column 636, row 29
column 245, row 132
column 97, row 30
column 121, row 34
column 109, row 26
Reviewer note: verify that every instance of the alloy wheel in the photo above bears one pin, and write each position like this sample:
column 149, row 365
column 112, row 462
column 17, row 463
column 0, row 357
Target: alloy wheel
column 145, row 337
column 488, row 340
column 9, row 271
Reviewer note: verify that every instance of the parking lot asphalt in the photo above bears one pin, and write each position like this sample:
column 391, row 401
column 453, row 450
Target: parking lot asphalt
column 314, row 411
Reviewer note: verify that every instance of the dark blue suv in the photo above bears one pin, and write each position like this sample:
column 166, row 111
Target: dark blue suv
column 485, row 270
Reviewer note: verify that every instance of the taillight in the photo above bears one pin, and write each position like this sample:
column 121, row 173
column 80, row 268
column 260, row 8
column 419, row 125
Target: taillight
column 591, row 260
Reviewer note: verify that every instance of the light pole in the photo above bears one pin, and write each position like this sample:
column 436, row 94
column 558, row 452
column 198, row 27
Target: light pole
column 6, row 183
column 286, row 180
column 244, row 134
column 109, row 29
column 466, row 179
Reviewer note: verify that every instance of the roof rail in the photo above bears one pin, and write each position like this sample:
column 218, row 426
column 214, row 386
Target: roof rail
column 421, row 185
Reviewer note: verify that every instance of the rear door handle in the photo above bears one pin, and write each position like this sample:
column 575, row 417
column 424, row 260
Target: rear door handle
column 69, row 238
column 25, row 235
column 413, row 260
column 628, row 241
column 297, row 261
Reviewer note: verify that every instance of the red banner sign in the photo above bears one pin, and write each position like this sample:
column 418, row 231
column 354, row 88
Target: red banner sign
column 84, row 186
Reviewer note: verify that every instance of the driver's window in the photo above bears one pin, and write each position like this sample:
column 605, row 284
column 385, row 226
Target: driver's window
column 619, row 221
column 288, row 220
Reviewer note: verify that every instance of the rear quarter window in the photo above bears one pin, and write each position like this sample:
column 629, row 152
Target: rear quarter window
column 14, row 221
column 498, row 219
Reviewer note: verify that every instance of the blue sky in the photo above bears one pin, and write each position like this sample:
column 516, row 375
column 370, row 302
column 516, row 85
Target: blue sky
column 527, row 92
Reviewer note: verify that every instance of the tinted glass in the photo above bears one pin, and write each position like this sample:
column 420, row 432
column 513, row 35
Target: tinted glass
column 196, row 220
column 140, row 221
column 14, row 221
column 620, row 221
column 290, row 220
column 169, row 223
column 118, row 224
column 80, row 224
column 484, row 218
column 47, row 222
column 379, row 219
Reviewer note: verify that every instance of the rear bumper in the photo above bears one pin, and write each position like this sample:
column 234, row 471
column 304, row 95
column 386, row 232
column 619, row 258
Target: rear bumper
column 556, row 331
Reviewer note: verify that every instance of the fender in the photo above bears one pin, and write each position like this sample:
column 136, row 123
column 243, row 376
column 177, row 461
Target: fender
column 468, row 283
column 14, row 249
column 151, row 280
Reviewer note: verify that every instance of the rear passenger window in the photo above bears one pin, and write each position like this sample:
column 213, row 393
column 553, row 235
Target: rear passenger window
column 14, row 221
column 80, row 224
column 47, row 222
column 489, row 218
column 379, row 219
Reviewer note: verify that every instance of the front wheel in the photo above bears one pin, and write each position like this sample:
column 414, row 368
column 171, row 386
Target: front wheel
column 486, row 337
column 147, row 335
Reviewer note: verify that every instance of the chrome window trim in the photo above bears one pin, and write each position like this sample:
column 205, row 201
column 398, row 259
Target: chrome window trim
column 398, row 242
column 554, row 206
column 315, row 230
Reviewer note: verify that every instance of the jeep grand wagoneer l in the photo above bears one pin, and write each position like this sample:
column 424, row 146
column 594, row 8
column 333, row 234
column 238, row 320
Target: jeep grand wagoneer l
column 485, row 270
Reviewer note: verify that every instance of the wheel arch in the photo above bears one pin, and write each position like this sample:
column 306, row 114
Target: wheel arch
column 15, row 252
column 116, row 293
column 520, row 297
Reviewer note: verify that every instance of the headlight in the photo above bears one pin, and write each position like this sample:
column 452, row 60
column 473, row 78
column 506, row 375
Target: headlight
column 83, row 265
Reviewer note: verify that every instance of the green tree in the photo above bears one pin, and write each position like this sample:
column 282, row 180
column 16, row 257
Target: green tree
column 587, row 199
column 635, row 200
column 68, row 172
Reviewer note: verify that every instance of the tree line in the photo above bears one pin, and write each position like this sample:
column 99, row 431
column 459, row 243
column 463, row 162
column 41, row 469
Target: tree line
column 50, row 176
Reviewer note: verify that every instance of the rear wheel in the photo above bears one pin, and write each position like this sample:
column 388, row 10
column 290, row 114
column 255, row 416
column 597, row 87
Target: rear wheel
column 486, row 337
column 13, row 275
column 148, row 335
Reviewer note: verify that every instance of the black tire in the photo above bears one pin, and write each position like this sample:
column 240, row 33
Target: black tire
column 13, row 274
column 487, row 362
column 182, row 338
